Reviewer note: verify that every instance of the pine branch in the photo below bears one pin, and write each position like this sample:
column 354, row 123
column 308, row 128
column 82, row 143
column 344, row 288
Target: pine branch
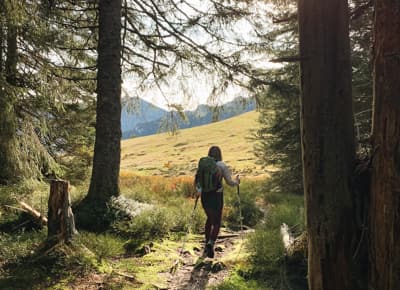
column 131, row 51
column 287, row 19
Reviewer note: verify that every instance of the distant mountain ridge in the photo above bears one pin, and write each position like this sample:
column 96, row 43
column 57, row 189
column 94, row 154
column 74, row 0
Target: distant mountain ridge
column 141, row 118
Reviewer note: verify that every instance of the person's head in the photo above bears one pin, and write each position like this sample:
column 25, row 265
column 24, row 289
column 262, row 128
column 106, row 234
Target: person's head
column 215, row 152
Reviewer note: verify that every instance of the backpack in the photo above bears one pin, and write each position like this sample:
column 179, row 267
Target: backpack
column 208, row 174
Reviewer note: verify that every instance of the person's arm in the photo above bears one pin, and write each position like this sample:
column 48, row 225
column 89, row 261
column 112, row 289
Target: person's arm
column 226, row 174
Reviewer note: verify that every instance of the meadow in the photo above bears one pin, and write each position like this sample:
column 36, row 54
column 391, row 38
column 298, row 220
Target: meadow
column 152, row 217
column 177, row 154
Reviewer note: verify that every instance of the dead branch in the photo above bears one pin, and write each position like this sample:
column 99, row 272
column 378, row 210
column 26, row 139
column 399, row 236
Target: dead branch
column 33, row 212
column 294, row 58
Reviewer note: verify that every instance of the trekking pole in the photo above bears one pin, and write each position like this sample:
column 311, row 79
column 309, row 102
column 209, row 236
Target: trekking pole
column 241, row 221
column 240, row 210
column 190, row 222
column 174, row 267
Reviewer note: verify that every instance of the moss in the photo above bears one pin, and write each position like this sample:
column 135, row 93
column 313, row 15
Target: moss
column 43, row 268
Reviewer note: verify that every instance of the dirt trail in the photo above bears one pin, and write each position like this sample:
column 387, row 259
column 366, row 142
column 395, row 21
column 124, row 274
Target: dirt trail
column 195, row 272
column 191, row 272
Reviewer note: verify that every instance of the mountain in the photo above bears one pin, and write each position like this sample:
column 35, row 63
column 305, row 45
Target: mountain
column 136, row 110
column 148, row 119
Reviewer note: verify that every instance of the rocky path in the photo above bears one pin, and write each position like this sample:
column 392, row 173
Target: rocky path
column 193, row 272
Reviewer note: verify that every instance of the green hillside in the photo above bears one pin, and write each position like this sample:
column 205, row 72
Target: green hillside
column 178, row 154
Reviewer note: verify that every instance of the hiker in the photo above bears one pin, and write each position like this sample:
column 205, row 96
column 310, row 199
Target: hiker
column 211, row 191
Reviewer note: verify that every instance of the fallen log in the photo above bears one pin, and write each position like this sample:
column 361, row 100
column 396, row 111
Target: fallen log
column 16, row 208
column 33, row 212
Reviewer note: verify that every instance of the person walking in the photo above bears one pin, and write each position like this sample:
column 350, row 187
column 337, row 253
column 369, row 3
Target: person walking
column 208, row 180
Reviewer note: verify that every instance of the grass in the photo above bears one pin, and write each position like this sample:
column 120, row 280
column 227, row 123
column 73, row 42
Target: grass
column 163, row 225
column 171, row 155
column 34, row 269
column 268, row 260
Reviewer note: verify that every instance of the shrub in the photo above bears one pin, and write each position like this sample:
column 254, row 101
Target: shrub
column 266, row 247
column 183, row 216
column 121, row 208
column 251, row 213
column 236, row 282
column 148, row 225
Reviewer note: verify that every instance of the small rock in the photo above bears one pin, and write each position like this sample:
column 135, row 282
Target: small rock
column 147, row 249
column 218, row 249
column 217, row 267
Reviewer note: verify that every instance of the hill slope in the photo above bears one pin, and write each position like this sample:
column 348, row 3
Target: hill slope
column 168, row 154
column 148, row 119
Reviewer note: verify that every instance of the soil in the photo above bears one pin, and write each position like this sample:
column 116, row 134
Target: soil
column 194, row 272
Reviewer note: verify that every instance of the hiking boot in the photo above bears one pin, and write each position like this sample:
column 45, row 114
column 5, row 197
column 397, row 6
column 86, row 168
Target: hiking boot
column 204, row 252
column 210, row 251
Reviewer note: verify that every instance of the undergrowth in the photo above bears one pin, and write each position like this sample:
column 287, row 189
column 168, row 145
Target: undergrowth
column 268, row 266
column 151, row 212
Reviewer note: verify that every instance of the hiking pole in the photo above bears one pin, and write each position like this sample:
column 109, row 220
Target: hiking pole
column 190, row 222
column 174, row 267
column 240, row 210
column 241, row 220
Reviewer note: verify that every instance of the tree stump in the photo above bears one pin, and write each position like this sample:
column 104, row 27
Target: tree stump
column 61, row 223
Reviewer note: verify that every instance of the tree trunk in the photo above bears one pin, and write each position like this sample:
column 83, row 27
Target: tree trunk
column 327, row 141
column 107, row 150
column 61, row 223
column 10, row 169
column 1, row 40
column 104, row 183
column 385, row 188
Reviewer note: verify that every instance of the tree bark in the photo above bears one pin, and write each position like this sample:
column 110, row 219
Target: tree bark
column 10, row 170
column 1, row 39
column 107, row 150
column 327, row 141
column 385, row 188
column 61, row 223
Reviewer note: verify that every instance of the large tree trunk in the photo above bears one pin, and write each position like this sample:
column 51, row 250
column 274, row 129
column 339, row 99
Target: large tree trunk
column 9, row 161
column 327, row 141
column 385, row 189
column 104, row 182
column 106, row 163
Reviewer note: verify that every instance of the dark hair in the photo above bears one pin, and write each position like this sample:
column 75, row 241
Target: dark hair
column 215, row 152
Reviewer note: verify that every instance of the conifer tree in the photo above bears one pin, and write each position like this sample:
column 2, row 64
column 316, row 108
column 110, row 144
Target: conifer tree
column 104, row 182
column 41, row 85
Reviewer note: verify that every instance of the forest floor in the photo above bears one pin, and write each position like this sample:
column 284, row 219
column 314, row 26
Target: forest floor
column 189, row 271
column 198, row 272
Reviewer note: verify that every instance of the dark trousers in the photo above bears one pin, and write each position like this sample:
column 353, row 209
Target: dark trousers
column 212, row 203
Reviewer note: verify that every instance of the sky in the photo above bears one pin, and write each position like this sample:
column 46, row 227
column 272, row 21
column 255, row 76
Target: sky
column 197, row 91
column 195, row 88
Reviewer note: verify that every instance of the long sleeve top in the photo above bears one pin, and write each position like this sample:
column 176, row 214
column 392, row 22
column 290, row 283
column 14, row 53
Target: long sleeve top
column 226, row 174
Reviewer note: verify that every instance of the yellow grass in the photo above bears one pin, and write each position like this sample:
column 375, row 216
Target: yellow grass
column 171, row 155
column 158, row 183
